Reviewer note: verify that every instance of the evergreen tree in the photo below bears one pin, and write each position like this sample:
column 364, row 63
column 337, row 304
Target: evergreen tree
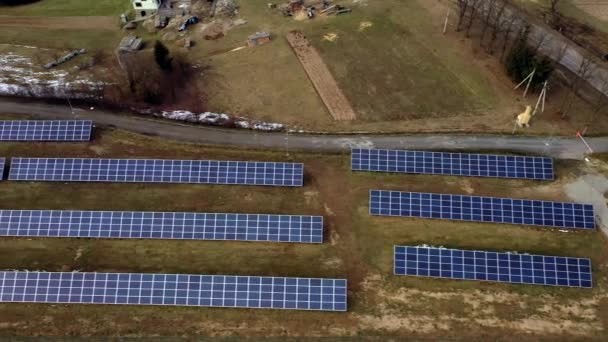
column 161, row 55
column 522, row 60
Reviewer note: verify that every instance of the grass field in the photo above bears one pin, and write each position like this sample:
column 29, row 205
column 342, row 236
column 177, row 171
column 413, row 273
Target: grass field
column 357, row 247
column 60, row 8
column 61, row 39
column 389, row 71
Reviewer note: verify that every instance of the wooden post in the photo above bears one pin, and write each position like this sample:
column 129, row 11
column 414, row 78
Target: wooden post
column 445, row 24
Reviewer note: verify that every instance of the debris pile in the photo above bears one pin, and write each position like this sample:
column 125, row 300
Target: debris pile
column 130, row 43
column 228, row 8
column 301, row 9
column 65, row 58
column 259, row 38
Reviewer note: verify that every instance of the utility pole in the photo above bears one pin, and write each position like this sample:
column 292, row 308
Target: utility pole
column 69, row 103
column 578, row 134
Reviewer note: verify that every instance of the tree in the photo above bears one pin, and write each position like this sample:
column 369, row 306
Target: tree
column 509, row 24
column 553, row 6
column 474, row 5
column 496, row 24
column 585, row 69
column 486, row 19
column 463, row 6
column 559, row 52
column 161, row 56
column 602, row 99
column 522, row 60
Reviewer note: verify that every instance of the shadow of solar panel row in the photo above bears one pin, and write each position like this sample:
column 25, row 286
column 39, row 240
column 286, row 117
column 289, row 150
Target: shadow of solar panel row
column 158, row 225
column 174, row 289
column 453, row 164
column 491, row 266
column 482, row 209
column 157, row 171
column 45, row 130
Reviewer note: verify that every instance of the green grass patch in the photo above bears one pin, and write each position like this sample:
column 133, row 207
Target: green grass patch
column 60, row 8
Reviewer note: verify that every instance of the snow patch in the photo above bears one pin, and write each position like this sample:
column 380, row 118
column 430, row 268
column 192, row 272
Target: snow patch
column 216, row 119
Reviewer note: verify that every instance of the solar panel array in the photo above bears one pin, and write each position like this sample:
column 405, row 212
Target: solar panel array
column 455, row 164
column 157, row 171
column 482, row 209
column 2, row 162
column 174, row 289
column 47, row 130
column 491, row 266
column 158, row 225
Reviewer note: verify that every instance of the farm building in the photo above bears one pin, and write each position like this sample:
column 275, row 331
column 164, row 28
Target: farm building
column 145, row 8
column 259, row 38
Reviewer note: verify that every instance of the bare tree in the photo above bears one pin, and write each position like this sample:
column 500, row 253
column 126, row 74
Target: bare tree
column 559, row 53
column 485, row 22
column 585, row 69
column 474, row 12
column 553, row 6
column 463, row 6
column 540, row 38
column 496, row 24
column 509, row 26
column 602, row 99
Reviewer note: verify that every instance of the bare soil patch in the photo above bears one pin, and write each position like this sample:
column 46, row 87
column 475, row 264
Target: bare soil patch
column 326, row 85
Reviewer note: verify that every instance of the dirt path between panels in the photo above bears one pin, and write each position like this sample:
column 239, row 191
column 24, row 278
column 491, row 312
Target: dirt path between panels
column 320, row 76
column 83, row 23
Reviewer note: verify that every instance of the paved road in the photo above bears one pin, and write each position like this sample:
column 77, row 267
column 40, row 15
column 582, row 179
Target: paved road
column 558, row 147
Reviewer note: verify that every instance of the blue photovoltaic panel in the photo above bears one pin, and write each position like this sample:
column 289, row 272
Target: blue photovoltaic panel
column 174, row 289
column 158, row 225
column 157, row 171
column 482, row 209
column 453, row 164
column 491, row 266
column 52, row 130
column 2, row 161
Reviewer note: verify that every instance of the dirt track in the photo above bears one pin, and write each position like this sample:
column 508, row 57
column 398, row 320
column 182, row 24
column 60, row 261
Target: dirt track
column 83, row 23
column 326, row 85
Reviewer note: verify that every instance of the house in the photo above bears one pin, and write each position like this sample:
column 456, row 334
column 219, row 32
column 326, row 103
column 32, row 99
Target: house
column 144, row 8
column 258, row 38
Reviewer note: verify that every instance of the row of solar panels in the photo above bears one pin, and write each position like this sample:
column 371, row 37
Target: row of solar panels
column 435, row 262
column 157, row 289
column 45, row 130
column 174, row 289
column 159, row 225
column 452, row 164
column 155, row 171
